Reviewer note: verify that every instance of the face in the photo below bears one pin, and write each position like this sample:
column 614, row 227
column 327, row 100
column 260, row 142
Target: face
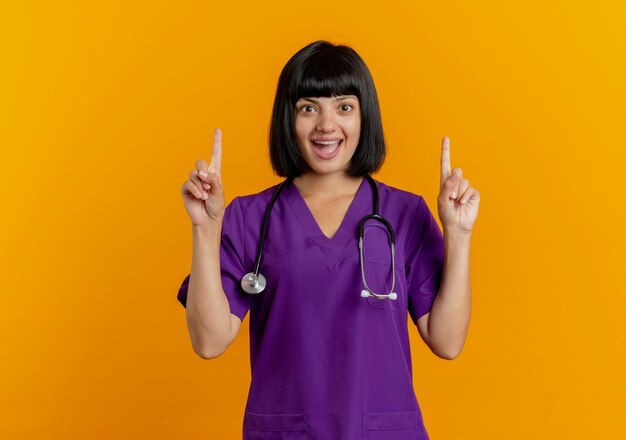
column 327, row 131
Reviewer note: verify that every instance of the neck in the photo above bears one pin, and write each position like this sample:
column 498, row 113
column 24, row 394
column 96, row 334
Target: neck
column 327, row 185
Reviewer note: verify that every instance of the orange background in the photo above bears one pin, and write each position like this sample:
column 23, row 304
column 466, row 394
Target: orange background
column 105, row 109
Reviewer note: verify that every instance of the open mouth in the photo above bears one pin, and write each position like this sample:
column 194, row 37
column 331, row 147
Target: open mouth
column 327, row 149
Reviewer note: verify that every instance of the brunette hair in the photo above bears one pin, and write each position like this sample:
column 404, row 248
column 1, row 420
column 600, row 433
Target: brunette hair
column 323, row 69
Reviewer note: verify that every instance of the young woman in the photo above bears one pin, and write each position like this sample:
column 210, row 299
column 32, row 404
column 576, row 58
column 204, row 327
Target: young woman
column 329, row 343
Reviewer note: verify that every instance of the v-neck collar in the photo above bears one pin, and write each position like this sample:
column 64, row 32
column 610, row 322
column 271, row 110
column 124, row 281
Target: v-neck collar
column 332, row 247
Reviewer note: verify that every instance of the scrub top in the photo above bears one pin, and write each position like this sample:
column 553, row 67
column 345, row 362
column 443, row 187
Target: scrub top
column 327, row 363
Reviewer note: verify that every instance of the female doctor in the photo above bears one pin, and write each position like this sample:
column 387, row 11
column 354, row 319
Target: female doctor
column 328, row 288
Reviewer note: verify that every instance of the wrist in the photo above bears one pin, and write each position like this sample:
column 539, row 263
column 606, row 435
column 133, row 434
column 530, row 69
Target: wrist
column 457, row 234
column 209, row 227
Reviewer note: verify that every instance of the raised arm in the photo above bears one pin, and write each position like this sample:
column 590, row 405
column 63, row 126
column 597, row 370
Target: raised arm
column 445, row 328
column 212, row 327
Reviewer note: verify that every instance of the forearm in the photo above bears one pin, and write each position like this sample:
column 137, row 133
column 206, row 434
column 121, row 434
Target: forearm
column 207, row 310
column 448, row 323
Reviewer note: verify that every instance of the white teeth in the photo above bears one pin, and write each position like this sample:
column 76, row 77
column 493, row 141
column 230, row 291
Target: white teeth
column 327, row 142
column 328, row 147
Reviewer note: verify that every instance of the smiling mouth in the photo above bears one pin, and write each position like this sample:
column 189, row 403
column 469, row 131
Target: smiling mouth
column 328, row 145
column 327, row 149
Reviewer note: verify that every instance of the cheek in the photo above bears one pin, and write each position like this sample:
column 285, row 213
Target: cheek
column 301, row 128
column 300, row 138
column 355, row 129
column 354, row 124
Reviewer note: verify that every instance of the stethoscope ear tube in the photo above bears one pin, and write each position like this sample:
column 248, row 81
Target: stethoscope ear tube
column 366, row 292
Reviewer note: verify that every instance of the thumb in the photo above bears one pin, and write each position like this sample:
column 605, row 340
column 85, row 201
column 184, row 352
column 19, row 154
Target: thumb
column 215, row 181
column 449, row 185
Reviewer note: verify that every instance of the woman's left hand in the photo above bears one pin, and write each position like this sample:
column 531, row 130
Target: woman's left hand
column 457, row 202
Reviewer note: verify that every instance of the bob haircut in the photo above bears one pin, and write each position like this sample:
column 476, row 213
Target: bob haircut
column 323, row 69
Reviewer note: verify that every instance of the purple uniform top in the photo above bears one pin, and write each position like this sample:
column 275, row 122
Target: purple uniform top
column 327, row 363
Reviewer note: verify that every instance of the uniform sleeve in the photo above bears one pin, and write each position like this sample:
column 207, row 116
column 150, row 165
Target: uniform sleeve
column 423, row 261
column 231, row 262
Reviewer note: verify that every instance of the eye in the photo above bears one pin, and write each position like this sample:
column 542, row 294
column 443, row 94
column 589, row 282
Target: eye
column 347, row 105
column 304, row 107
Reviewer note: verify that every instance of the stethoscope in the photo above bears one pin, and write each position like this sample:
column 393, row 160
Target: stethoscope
column 254, row 282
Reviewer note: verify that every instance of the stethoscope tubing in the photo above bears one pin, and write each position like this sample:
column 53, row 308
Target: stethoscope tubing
column 254, row 282
column 266, row 218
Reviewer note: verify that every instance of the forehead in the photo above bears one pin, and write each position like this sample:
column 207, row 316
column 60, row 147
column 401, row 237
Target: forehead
column 332, row 99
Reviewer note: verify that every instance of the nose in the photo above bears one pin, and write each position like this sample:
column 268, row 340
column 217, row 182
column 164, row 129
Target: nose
column 326, row 122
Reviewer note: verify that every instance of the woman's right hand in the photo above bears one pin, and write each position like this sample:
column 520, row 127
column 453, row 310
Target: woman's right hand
column 204, row 195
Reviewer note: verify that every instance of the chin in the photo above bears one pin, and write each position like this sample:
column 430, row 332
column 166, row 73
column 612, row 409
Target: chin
column 327, row 170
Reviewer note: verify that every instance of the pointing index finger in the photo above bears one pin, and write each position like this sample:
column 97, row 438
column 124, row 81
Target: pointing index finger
column 445, row 160
column 216, row 157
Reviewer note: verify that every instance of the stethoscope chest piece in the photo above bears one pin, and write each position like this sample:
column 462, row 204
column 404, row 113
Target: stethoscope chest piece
column 253, row 284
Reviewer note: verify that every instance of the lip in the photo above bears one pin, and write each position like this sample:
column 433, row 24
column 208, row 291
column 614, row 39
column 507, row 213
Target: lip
column 322, row 154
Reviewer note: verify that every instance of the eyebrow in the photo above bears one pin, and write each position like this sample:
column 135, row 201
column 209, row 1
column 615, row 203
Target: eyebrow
column 338, row 98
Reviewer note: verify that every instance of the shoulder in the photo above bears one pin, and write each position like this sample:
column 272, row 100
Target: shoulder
column 399, row 197
column 407, row 209
column 260, row 198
